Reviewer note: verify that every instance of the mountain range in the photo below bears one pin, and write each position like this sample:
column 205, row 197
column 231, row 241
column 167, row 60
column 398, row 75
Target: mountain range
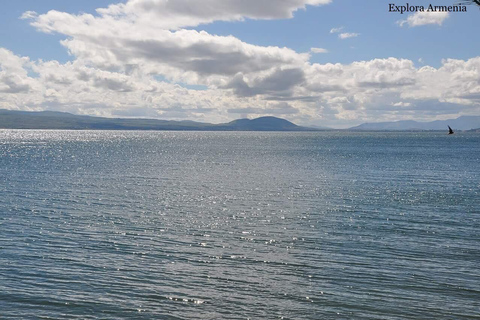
column 461, row 123
column 11, row 119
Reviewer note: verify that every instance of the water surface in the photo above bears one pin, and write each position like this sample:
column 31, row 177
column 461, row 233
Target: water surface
column 238, row 225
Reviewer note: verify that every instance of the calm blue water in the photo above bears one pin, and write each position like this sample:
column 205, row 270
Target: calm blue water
column 225, row 225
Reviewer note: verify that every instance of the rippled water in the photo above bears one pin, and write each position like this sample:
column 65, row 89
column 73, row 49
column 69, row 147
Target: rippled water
column 204, row 225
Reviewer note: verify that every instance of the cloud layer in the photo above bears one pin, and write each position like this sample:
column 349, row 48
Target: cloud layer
column 135, row 59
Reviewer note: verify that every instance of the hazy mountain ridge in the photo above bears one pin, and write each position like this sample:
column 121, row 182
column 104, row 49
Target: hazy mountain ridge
column 460, row 123
column 10, row 119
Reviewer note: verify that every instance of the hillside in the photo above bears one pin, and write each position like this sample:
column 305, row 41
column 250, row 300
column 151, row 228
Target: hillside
column 10, row 119
column 263, row 124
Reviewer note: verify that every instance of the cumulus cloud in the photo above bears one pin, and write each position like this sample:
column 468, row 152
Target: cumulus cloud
column 422, row 18
column 366, row 90
column 13, row 84
column 187, row 56
column 185, row 13
column 78, row 88
column 13, row 73
column 169, row 15
column 279, row 82
column 453, row 82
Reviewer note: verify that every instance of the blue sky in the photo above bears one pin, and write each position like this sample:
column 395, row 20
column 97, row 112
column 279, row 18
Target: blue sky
column 218, row 62
column 380, row 36
column 17, row 35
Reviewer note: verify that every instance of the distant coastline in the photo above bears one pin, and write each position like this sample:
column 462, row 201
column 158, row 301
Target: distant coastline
column 53, row 120
column 10, row 119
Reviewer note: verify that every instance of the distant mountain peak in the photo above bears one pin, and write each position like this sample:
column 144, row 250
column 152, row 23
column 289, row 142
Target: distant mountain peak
column 267, row 123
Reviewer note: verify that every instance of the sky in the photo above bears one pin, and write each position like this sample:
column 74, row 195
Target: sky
column 335, row 63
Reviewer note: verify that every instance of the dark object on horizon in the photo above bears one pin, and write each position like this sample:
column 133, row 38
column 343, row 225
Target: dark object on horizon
column 450, row 131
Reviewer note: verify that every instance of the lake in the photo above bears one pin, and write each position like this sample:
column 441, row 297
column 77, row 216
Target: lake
column 239, row 225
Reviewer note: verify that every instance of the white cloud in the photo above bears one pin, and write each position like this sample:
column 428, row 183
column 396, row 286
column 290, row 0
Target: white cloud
column 13, row 73
column 422, row 18
column 344, row 35
column 347, row 35
column 369, row 89
column 28, row 15
column 336, row 30
column 183, row 13
column 184, row 55
column 318, row 50
column 363, row 90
